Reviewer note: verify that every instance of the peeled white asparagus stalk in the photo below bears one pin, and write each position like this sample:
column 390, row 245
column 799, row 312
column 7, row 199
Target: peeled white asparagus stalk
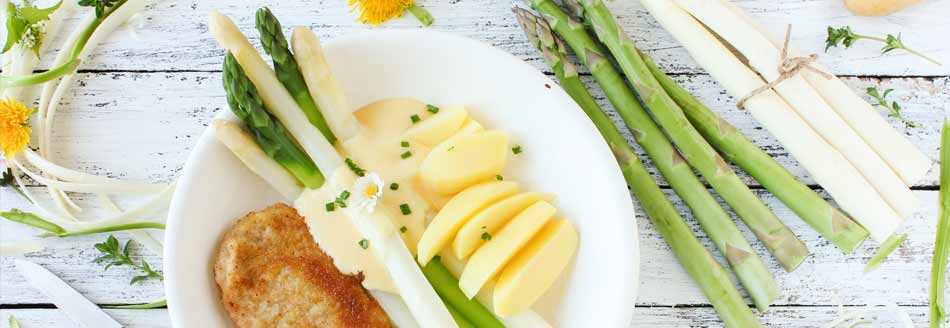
column 395, row 308
column 277, row 99
column 160, row 201
column 66, row 174
column 901, row 155
column 765, row 57
column 324, row 88
column 384, row 240
column 243, row 145
column 827, row 166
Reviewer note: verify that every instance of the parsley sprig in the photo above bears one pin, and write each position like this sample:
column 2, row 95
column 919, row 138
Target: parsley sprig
column 845, row 36
column 118, row 256
column 893, row 107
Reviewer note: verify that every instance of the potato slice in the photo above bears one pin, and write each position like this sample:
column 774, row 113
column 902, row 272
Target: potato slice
column 438, row 127
column 464, row 161
column 492, row 257
column 458, row 211
column 492, row 219
column 535, row 268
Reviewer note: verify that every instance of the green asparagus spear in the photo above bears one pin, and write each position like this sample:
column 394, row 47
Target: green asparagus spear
column 447, row 286
column 938, row 269
column 781, row 242
column 288, row 72
column 273, row 138
column 711, row 277
column 460, row 320
column 749, row 268
column 735, row 147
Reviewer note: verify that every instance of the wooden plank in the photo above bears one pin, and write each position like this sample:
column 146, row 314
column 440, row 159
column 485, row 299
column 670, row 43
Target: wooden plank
column 174, row 34
column 644, row 317
column 143, row 125
column 827, row 277
column 52, row 318
column 777, row 317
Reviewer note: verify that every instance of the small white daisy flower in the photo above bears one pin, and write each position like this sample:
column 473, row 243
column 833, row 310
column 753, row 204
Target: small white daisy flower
column 367, row 191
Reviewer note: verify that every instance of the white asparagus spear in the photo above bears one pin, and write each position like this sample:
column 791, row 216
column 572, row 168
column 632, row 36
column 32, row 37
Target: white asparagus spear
column 828, row 167
column 765, row 58
column 243, row 145
column 900, row 154
column 384, row 239
column 277, row 99
column 322, row 85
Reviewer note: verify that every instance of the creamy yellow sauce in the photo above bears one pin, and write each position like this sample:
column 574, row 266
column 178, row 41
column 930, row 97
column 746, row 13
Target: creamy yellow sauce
column 378, row 149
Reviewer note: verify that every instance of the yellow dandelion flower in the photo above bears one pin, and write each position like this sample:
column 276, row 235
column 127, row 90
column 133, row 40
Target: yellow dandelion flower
column 14, row 126
column 378, row 11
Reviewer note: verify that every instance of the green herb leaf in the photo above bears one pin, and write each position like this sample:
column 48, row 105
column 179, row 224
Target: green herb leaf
column 894, row 108
column 844, row 36
column 405, row 209
column 364, row 243
column 394, row 186
column 516, row 150
column 100, row 5
column 119, row 256
column 331, row 206
column 415, row 118
column 486, row 236
column 432, row 109
column 405, row 155
column 359, row 171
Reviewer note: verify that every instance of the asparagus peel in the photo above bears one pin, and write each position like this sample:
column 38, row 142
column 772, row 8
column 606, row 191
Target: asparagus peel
column 699, row 263
column 749, row 268
column 779, row 239
column 288, row 71
column 272, row 137
column 830, row 222
column 938, row 269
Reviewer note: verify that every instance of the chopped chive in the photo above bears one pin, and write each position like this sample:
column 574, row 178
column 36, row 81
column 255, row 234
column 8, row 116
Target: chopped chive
column 517, row 150
column 403, row 229
column 345, row 194
column 405, row 209
column 451, row 148
column 394, row 186
column 499, row 177
column 415, row 118
column 432, row 109
column 404, row 144
column 341, row 199
column 405, row 155
column 359, row 171
column 364, row 243
column 486, row 236
column 331, row 207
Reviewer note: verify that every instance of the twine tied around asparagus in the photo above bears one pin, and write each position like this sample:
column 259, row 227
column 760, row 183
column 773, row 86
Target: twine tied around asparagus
column 786, row 69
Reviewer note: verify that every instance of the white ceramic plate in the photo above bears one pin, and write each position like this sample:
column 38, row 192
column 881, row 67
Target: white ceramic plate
column 563, row 154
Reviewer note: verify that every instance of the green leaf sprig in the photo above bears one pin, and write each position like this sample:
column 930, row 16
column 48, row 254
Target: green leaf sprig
column 118, row 256
column 845, row 36
column 893, row 107
column 100, row 5
column 24, row 25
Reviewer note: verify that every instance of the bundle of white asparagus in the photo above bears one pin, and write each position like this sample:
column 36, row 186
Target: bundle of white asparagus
column 849, row 149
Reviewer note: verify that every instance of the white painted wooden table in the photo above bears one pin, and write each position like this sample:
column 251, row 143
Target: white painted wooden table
column 145, row 97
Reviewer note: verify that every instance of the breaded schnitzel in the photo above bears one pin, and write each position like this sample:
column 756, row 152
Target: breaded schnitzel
column 272, row 274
